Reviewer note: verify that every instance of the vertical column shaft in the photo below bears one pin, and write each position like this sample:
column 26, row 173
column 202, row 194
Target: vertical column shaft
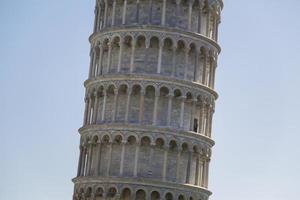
column 182, row 111
column 122, row 157
column 170, row 99
column 113, row 12
column 128, row 104
column 155, row 107
column 124, row 12
column 103, row 105
column 163, row 15
column 142, row 100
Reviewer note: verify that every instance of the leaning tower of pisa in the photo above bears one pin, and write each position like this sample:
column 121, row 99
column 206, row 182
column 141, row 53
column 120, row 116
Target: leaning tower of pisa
column 149, row 101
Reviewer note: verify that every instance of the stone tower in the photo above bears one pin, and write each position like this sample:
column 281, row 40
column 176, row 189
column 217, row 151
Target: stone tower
column 149, row 101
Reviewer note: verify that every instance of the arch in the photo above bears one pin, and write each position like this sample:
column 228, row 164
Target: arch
column 181, row 197
column 155, row 195
column 126, row 194
column 140, row 54
column 169, row 196
column 106, row 138
column 99, row 192
column 112, row 191
column 140, row 195
column 132, row 139
column 167, row 57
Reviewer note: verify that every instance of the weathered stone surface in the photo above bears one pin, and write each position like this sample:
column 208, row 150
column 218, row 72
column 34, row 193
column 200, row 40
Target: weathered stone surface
column 149, row 100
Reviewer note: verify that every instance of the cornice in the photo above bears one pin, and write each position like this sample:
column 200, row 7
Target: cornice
column 146, row 129
column 150, row 77
column 152, row 28
column 142, row 182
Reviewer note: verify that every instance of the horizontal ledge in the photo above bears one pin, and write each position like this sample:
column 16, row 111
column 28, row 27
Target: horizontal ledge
column 142, row 182
column 146, row 128
column 149, row 77
column 155, row 28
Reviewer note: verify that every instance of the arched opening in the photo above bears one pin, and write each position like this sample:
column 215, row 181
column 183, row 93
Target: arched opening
column 111, row 193
column 126, row 193
column 167, row 57
column 144, row 156
column 162, row 111
column 155, row 195
column 140, row 195
column 152, row 56
column 122, row 103
column 149, row 105
column 134, row 107
column 126, row 54
column 169, row 196
column 139, row 56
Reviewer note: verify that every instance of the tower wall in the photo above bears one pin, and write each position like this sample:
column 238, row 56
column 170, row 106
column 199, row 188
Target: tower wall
column 149, row 100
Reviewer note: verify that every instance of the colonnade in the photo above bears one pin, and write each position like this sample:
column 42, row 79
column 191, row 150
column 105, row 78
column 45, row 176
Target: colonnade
column 103, row 191
column 119, row 157
column 191, row 15
column 161, row 56
column 149, row 106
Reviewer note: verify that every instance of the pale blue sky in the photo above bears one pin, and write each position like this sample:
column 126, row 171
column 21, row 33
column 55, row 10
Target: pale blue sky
column 44, row 60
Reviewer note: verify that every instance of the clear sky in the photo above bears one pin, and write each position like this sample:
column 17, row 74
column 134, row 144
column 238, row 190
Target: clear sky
column 44, row 60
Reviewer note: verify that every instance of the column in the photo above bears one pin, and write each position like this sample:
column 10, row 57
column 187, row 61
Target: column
column 142, row 100
column 109, row 158
column 196, row 180
column 208, row 23
column 96, row 18
column 122, row 157
column 182, row 112
column 207, row 122
column 201, row 4
column 89, row 159
column 83, row 164
column 120, row 55
column 200, row 127
column 99, row 18
column 165, row 164
column 194, row 102
column 98, row 158
column 109, row 56
column 95, row 113
column 187, row 49
column 86, row 100
column 204, row 70
column 196, row 66
column 150, row 164
column 80, row 161
column 89, row 111
column 174, row 48
column 150, row 12
column 200, row 169
column 137, row 11
column 188, row 168
column 210, row 122
column 169, row 116
column 113, row 13
column 115, row 107
column 92, row 55
column 190, row 14
column 178, row 164
column 129, row 90
column 212, row 73
column 132, row 55
column 100, row 70
column 207, row 172
column 155, row 107
column 163, row 16
column 124, row 12
column 104, row 105
column 105, row 13
column 136, row 158
column 159, row 56
column 177, row 12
